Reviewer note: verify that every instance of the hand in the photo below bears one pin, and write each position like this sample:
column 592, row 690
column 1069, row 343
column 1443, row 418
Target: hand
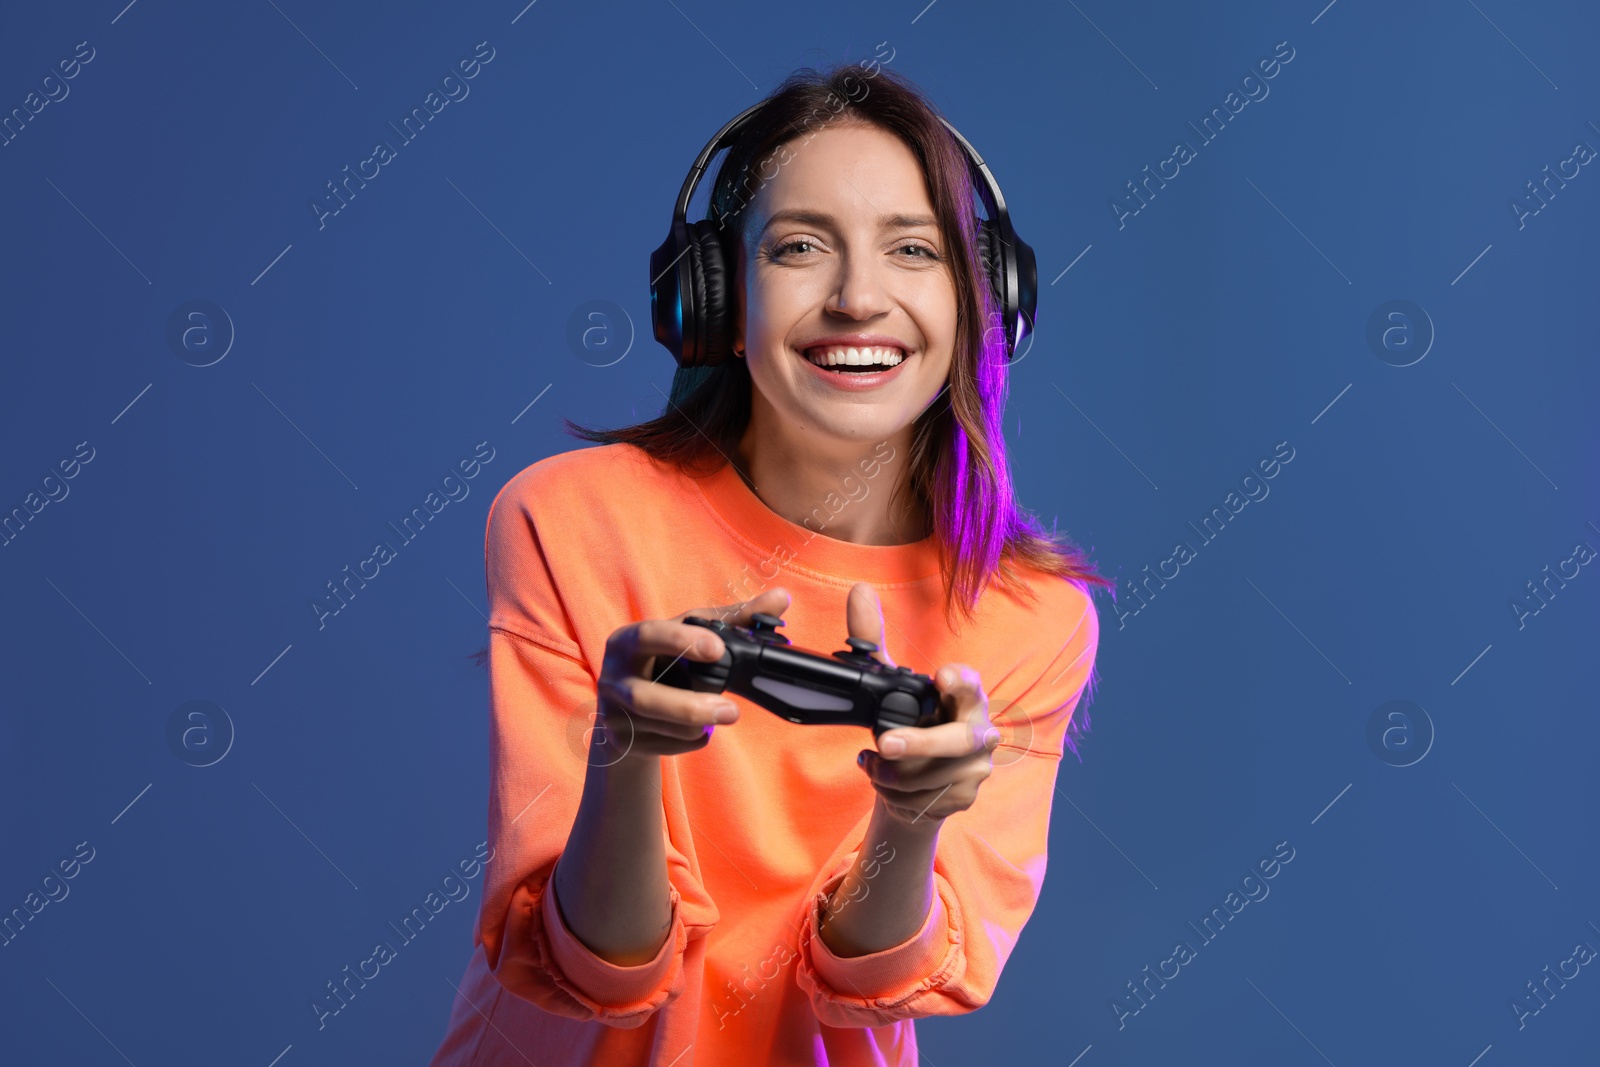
column 923, row 776
column 641, row 717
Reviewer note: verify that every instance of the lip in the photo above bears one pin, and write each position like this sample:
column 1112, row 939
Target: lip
column 856, row 381
column 858, row 340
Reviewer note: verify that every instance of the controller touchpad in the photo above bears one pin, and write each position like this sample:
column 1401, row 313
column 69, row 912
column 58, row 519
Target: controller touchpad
column 799, row 696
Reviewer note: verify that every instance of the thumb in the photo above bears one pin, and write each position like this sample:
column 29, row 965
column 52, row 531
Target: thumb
column 864, row 619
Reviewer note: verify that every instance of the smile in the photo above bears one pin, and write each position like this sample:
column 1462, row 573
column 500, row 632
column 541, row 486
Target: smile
column 855, row 368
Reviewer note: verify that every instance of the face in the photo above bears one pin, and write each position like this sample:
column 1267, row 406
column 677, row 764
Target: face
column 841, row 252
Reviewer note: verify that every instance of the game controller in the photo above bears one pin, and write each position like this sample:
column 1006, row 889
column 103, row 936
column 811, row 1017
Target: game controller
column 849, row 688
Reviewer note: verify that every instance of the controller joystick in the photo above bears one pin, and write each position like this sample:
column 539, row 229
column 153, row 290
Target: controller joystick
column 847, row 688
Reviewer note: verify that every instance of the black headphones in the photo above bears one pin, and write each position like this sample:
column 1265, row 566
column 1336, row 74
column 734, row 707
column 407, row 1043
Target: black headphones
column 690, row 283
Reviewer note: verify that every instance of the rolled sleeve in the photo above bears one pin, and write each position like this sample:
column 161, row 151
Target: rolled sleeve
column 607, row 989
column 867, row 990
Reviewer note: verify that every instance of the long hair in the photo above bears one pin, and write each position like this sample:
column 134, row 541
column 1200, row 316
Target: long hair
column 959, row 471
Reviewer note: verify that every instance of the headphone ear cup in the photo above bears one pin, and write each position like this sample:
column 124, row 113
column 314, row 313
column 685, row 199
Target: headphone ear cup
column 990, row 248
column 709, row 273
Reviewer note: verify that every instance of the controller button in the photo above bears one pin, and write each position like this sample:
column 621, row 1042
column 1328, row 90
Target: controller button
column 766, row 623
column 856, row 644
column 902, row 707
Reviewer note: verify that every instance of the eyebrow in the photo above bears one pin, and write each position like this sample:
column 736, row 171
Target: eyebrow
column 898, row 221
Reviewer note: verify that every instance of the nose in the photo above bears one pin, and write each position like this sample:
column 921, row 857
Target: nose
column 859, row 291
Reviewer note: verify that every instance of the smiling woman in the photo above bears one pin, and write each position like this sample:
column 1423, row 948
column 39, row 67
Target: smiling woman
column 664, row 898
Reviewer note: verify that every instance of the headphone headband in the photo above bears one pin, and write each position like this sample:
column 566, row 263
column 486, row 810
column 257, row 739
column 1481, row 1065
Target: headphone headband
column 690, row 310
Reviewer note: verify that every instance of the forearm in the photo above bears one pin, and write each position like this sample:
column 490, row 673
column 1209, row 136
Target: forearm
column 611, row 879
column 882, row 902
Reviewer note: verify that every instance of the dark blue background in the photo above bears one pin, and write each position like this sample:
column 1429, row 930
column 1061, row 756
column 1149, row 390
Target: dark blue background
column 1222, row 319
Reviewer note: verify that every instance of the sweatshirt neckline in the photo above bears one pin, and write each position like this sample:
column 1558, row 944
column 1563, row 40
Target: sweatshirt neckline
column 789, row 546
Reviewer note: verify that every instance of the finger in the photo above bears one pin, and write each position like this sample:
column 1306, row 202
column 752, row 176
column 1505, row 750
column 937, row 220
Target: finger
column 774, row 601
column 668, row 640
column 961, row 691
column 949, row 740
column 654, row 707
column 864, row 619
column 909, row 776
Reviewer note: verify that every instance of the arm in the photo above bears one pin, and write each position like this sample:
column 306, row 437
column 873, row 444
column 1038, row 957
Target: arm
column 886, row 897
column 611, row 884
column 986, row 868
column 545, row 806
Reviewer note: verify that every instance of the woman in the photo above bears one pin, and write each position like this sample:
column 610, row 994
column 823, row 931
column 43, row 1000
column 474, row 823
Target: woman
column 775, row 893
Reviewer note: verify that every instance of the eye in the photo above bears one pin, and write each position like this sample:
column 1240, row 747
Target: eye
column 924, row 252
column 784, row 249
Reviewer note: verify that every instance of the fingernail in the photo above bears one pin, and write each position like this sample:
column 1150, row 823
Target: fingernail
column 892, row 746
column 724, row 711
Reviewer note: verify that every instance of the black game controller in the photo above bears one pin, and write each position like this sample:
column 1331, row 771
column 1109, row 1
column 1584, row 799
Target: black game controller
column 848, row 688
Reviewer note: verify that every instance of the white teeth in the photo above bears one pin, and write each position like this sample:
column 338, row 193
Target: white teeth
column 837, row 355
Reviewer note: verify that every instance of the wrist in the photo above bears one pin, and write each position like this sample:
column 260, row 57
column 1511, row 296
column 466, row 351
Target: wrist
column 909, row 827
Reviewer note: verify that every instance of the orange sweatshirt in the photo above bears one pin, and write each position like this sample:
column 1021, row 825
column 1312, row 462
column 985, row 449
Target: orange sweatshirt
column 764, row 822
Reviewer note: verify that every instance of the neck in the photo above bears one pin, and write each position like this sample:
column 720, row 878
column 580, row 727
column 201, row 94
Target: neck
column 838, row 488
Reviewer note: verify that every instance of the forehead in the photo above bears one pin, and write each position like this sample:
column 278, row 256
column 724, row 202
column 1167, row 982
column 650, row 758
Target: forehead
column 853, row 171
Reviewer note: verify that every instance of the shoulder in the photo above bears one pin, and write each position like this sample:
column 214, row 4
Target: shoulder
column 1051, row 614
column 583, row 478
